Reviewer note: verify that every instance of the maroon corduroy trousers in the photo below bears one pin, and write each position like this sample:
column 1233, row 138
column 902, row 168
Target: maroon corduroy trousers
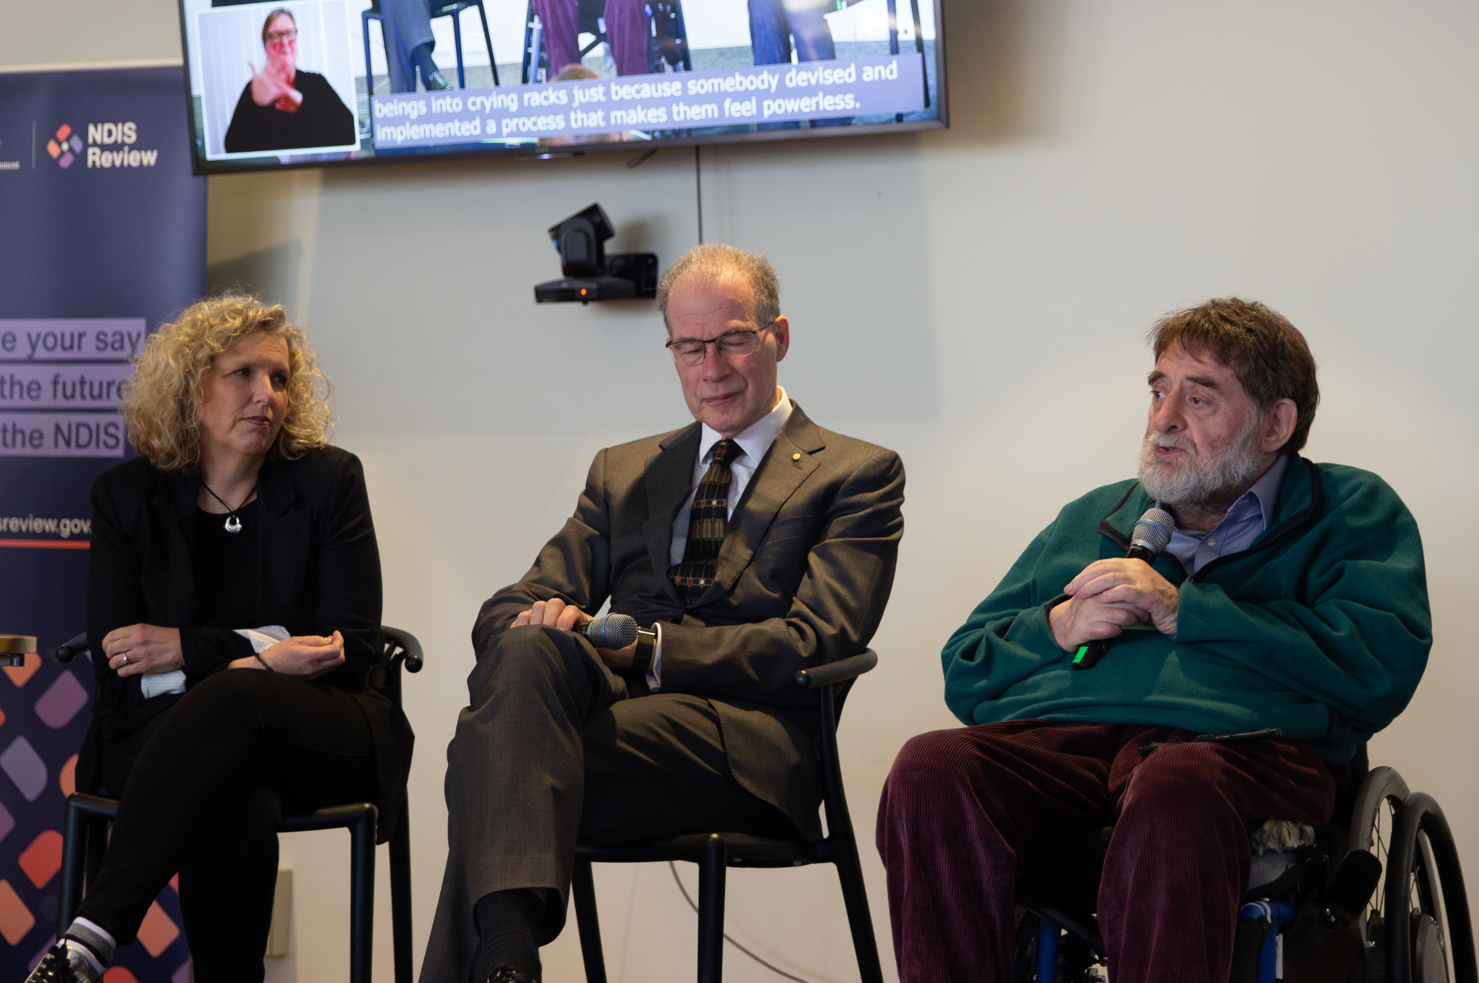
column 963, row 809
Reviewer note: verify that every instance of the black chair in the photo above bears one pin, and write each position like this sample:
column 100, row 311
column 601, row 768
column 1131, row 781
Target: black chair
column 84, row 835
column 1415, row 924
column 439, row 8
column 715, row 852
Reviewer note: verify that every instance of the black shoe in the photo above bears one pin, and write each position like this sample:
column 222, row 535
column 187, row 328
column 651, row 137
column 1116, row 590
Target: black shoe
column 435, row 82
column 63, row 964
column 507, row 974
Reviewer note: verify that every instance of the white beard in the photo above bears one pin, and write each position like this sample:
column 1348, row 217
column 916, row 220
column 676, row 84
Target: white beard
column 1196, row 481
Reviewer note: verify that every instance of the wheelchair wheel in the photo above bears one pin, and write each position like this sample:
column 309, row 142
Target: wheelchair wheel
column 1416, row 927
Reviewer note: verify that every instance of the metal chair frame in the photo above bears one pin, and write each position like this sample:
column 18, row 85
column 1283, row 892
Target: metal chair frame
column 451, row 9
column 715, row 852
column 85, row 823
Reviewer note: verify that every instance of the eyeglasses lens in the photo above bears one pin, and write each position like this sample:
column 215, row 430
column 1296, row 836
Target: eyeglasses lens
column 728, row 346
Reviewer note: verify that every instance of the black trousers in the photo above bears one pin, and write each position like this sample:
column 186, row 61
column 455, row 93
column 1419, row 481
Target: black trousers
column 205, row 785
column 552, row 749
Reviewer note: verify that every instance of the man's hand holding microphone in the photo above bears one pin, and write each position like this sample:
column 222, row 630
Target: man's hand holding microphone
column 555, row 613
column 1110, row 595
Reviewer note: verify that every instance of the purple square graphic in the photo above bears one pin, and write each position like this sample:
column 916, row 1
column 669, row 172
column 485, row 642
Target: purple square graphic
column 76, row 143
column 66, row 159
column 182, row 975
column 7, row 821
column 61, row 701
column 25, row 767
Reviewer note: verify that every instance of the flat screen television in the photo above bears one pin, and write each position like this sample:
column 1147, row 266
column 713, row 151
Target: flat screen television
column 288, row 83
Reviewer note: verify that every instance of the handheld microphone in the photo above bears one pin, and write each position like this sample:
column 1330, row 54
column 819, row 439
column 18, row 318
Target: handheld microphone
column 1151, row 534
column 609, row 631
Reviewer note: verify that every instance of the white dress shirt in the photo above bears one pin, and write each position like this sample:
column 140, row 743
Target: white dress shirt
column 753, row 442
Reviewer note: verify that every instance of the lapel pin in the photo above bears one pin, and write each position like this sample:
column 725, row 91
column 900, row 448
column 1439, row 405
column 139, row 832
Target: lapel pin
column 795, row 457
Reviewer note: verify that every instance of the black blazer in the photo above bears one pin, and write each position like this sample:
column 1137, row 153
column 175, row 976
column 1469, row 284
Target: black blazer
column 318, row 569
column 803, row 576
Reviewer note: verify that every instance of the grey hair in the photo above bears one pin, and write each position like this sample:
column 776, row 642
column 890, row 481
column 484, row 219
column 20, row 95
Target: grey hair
column 716, row 261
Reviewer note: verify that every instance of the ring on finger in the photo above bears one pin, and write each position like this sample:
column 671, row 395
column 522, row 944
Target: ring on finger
column 125, row 658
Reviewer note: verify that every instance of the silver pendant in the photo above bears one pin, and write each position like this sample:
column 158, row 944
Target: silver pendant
column 233, row 523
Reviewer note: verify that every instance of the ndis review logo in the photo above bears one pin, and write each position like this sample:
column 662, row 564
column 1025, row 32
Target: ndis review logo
column 101, row 139
column 64, row 146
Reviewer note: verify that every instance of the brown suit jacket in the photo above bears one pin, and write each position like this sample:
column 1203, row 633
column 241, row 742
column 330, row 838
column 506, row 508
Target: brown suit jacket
column 803, row 577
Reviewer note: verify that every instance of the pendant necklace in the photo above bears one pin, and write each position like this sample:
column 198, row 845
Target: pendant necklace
column 233, row 521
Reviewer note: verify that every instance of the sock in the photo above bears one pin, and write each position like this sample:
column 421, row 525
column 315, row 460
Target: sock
column 421, row 58
column 506, row 922
column 92, row 940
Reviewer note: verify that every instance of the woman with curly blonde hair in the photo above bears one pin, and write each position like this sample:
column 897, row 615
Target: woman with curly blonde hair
column 239, row 540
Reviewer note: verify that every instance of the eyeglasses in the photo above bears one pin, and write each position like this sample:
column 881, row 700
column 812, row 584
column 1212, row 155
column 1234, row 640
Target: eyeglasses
column 276, row 36
column 731, row 344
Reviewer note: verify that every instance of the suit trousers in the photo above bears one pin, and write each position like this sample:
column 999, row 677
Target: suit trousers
column 204, row 787
column 554, row 747
column 964, row 809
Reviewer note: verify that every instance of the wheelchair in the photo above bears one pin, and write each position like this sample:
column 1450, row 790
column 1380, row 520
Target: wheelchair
column 667, row 38
column 1414, row 928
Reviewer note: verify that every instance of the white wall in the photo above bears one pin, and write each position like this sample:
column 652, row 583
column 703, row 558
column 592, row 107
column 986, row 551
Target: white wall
column 975, row 299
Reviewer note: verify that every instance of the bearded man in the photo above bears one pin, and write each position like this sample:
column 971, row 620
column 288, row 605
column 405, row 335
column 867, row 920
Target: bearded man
column 1289, row 613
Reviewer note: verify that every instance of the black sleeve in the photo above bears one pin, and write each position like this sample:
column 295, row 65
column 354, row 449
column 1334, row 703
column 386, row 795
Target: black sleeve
column 331, row 114
column 115, row 599
column 242, row 135
column 347, row 588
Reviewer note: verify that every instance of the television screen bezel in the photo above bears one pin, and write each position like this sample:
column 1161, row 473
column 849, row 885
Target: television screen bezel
column 201, row 167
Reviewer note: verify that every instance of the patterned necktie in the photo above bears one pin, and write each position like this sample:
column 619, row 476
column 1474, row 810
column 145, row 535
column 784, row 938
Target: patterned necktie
column 708, row 521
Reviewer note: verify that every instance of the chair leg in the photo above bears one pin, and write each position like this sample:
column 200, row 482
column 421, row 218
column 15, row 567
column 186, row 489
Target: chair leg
column 584, row 889
column 488, row 40
column 711, row 875
column 75, row 832
column 457, row 45
column 362, row 898
column 369, row 73
column 400, row 896
column 859, row 918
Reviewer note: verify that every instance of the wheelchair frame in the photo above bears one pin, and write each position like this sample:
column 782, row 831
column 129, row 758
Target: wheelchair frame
column 1415, row 929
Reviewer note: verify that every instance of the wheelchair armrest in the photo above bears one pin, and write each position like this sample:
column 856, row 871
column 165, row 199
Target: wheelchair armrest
column 414, row 659
column 71, row 648
column 837, row 672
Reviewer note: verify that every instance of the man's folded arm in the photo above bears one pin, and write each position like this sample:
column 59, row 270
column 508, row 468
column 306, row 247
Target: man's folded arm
column 835, row 611
column 575, row 566
column 1358, row 643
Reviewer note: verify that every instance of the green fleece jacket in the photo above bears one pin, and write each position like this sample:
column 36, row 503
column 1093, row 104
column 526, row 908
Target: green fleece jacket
column 1321, row 627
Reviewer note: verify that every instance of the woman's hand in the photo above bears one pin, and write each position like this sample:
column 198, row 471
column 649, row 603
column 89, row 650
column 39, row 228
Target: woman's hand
column 270, row 89
column 309, row 656
column 143, row 650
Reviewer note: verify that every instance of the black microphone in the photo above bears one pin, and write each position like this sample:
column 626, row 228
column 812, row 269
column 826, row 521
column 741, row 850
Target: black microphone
column 1151, row 534
column 609, row 631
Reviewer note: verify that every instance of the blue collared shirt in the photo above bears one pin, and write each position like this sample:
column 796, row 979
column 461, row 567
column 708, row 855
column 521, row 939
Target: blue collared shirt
column 1249, row 516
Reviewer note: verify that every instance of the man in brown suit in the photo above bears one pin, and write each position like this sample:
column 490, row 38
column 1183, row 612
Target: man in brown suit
column 754, row 543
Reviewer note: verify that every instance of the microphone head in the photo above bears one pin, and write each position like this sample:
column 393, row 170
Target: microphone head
column 1153, row 531
column 611, row 631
